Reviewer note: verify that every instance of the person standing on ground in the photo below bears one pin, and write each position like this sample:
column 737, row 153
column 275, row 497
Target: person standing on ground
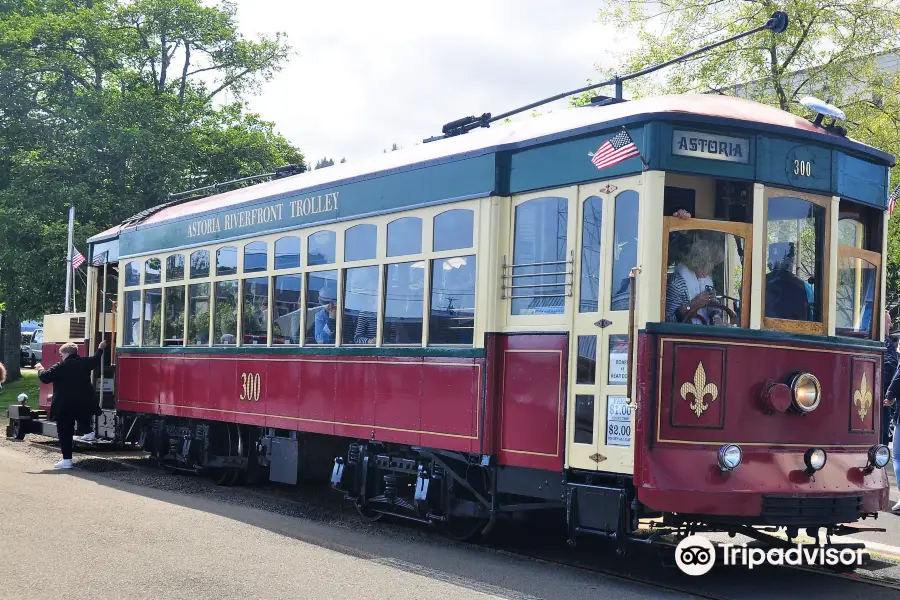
column 73, row 395
column 889, row 369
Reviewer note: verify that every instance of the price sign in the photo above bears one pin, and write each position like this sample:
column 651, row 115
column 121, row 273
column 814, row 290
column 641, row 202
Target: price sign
column 618, row 421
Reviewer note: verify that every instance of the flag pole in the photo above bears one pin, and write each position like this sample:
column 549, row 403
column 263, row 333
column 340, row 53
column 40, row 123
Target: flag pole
column 69, row 282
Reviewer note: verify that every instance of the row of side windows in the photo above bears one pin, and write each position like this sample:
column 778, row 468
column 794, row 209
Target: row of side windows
column 453, row 229
column 185, row 316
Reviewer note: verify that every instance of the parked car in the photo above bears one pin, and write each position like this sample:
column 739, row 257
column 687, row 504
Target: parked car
column 37, row 344
column 28, row 357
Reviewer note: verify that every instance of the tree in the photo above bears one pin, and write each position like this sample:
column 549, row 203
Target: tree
column 829, row 50
column 108, row 105
column 324, row 162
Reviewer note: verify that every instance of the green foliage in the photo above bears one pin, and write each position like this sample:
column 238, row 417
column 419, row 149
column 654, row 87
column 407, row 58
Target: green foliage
column 324, row 162
column 109, row 106
column 833, row 50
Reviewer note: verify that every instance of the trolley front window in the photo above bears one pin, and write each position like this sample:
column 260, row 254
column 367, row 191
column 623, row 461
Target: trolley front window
column 795, row 264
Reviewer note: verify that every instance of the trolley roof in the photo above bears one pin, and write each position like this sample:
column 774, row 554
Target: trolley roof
column 530, row 154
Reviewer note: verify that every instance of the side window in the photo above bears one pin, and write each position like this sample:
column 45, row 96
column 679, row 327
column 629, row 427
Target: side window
column 255, row 257
column 173, row 333
column 404, row 297
column 452, row 318
column 132, row 326
column 226, row 261
column 287, row 253
column 360, row 242
column 256, row 310
column 152, row 271
column 859, row 263
column 175, row 267
column 225, row 323
column 454, row 230
column 360, row 320
column 200, row 264
column 321, row 249
column 404, row 236
column 591, row 228
column 795, row 260
column 132, row 274
column 321, row 307
column 286, row 317
column 625, row 233
column 538, row 283
column 198, row 314
column 152, row 317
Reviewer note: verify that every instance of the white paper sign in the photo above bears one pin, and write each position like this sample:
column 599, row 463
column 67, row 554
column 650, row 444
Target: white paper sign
column 618, row 362
column 618, row 421
column 107, row 385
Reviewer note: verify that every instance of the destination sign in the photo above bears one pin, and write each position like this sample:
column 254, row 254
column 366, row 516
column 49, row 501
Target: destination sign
column 706, row 145
column 264, row 215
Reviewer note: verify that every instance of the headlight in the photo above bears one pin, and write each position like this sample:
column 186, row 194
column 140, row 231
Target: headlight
column 815, row 459
column 879, row 456
column 806, row 392
column 730, row 457
column 23, row 399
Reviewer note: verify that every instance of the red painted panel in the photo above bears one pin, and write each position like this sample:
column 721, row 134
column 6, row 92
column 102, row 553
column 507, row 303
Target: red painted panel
column 128, row 371
column 150, row 384
column 332, row 395
column 283, row 393
column 224, row 388
column 451, row 396
column 695, row 398
column 196, row 386
column 172, row 373
column 750, row 365
column 353, row 389
column 398, row 397
column 864, row 403
column 320, row 396
column 676, row 468
column 532, row 400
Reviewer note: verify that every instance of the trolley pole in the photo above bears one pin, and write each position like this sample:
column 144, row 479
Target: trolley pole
column 69, row 258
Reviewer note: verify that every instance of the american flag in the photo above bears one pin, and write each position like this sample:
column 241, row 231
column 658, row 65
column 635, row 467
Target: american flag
column 892, row 201
column 614, row 150
column 77, row 259
column 100, row 259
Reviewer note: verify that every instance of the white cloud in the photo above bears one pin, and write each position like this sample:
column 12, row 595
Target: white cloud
column 370, row 74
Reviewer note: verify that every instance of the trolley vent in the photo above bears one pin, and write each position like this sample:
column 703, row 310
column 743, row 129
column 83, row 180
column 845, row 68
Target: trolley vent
column 76, row 328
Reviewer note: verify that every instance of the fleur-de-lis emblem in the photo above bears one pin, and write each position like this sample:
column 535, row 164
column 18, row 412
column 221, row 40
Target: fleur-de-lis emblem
column 700, row 389
column 863, row 398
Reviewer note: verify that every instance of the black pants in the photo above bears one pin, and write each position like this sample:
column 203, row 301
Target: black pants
column 84, row 426
column 65, row 429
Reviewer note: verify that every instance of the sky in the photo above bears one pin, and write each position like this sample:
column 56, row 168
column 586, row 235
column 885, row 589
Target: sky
column 369, row 74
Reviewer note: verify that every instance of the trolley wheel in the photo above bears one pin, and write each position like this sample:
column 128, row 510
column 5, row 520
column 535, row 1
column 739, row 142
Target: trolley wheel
column 224, row 476
column 464, row 529
column 17, row 432
column 164, row 465
column 372, row 516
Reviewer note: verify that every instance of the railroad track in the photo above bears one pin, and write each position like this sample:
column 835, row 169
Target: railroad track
column 600, row 557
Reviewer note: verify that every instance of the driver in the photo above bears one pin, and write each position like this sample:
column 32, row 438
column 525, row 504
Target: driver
column 690, row 286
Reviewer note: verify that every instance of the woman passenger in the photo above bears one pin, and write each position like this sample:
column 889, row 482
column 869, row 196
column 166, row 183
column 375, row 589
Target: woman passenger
column 690, row 286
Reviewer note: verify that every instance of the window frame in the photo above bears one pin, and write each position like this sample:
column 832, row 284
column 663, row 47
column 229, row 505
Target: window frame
column 786, row 325
column 873, row 258
column 427, row 256
column 741, row 230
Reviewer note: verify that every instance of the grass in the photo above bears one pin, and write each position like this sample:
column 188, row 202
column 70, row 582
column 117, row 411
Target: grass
column 28, row 384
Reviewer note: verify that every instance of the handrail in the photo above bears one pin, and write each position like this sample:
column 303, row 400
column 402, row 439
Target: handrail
column 633, row 287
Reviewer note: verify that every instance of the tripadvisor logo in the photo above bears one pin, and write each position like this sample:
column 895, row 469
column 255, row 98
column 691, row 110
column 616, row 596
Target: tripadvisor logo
column 696, row 555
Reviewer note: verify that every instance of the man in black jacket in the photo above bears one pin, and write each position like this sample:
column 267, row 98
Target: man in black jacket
column 73, row 395
column 888, row 370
